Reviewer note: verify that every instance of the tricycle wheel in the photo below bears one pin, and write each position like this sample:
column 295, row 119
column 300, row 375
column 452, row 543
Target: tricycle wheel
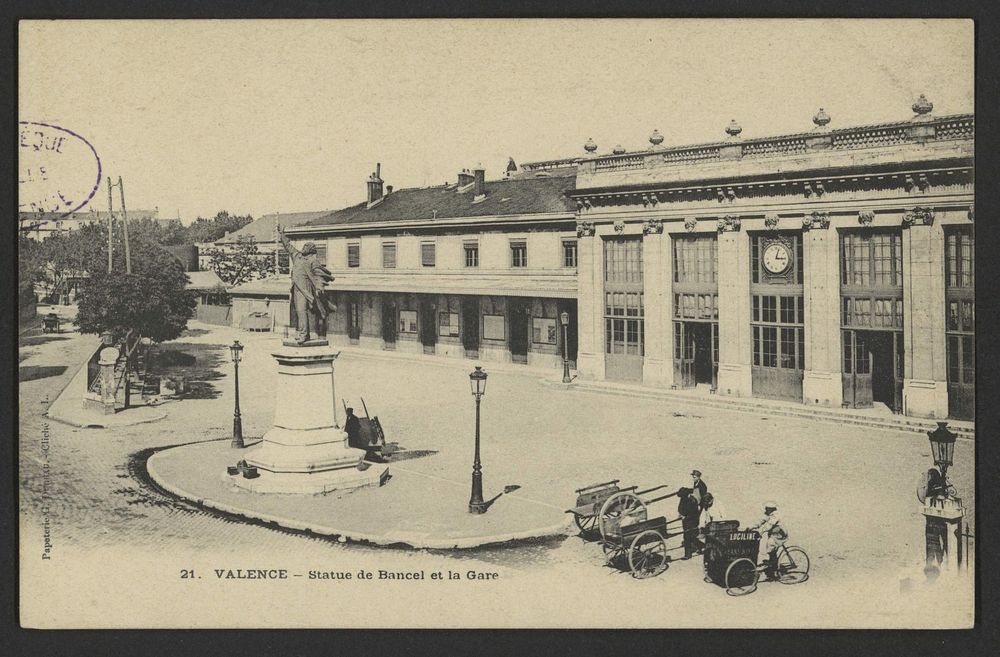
column 741, row 577
column 618, row 510
column 793, row 565
column 647, row 556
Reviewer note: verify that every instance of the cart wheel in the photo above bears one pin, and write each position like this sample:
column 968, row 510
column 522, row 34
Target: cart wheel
column 613, row 553
column 647, row 556
column 793, row 565
column 741, row 577
column 586, row 524
column 620, row 509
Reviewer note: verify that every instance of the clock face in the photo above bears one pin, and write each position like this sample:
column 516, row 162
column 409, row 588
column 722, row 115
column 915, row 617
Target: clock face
column 777, row 258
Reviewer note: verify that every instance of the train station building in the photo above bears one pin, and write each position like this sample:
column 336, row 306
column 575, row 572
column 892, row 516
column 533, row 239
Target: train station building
column 831, row 267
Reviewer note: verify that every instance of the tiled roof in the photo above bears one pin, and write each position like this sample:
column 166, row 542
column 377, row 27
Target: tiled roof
column 272, row 286
column 516, row 196
column 262, row 229
column 203, row 280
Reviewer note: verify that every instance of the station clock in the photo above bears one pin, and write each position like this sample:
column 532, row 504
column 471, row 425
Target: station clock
column 777, row 258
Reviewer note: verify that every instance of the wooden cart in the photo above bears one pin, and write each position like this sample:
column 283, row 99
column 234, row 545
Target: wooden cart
column 50, row 323
column 371, row 433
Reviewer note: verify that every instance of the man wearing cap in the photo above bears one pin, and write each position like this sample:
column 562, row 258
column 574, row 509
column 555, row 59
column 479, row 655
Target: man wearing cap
column 698, row 486
column 771, row 529
column 309, row 279
column 689, row 507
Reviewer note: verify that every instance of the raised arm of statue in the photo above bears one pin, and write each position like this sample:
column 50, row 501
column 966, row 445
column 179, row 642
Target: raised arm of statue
column 292, row 251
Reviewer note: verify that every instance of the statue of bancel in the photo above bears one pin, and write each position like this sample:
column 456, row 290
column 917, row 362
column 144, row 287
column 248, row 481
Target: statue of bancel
column 309, row 305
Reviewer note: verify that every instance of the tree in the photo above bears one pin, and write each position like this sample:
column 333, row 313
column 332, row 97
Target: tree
column 30, row 269
column 150, row 302
column 242, row 262
column 212, row 230
column 75, row 254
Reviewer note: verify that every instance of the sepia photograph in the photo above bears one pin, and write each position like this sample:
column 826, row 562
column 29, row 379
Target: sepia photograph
column 496, row 323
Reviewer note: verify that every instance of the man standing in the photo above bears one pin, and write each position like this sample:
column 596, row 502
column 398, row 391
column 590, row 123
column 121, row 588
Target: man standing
column 309, row 305
column 698, row 487
column 690, row 511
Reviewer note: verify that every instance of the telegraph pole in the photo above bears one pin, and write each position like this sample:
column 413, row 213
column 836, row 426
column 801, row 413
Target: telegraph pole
column 128, row 253
column 111, row 222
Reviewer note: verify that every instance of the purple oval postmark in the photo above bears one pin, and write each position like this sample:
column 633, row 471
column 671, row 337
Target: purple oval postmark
column 58, row 170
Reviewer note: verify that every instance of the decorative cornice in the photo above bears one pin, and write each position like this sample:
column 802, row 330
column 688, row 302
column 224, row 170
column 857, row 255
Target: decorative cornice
column 691, row 223
column 919, row 216
column 585, row 229
column 816, row 220
column 771, row 221
column 652, row 227
column 729, row 224
column 866, row 217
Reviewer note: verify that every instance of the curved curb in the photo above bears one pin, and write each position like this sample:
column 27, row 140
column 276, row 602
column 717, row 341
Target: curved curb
column 414, row 540
column 59, row 417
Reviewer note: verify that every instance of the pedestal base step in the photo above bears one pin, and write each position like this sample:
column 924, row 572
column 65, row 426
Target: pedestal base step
column 318, row 483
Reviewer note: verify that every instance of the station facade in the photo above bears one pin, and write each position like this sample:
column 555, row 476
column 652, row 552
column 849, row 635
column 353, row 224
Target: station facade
column 833, row 267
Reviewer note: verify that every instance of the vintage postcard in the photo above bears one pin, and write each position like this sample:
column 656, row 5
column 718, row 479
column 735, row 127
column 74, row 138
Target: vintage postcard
column 496, row 323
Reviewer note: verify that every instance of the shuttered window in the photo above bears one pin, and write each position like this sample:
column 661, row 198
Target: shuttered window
column 354, row 255
column 389, row 255
column 427, row 254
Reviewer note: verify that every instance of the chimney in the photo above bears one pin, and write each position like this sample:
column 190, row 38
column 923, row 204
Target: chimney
column 465, row 177
column 375, row 186
column 479, row 188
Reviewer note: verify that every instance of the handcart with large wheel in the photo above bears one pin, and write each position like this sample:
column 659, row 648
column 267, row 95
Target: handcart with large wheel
column 630, row 538
column 731, row 559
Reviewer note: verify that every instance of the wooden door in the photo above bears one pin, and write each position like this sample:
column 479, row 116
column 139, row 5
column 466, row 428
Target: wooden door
column 518, row 338
column 857, row 375
column 684, row 355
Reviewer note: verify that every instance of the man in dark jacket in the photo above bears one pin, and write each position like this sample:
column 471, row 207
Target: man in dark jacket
column 690, row 510
column 352, row 425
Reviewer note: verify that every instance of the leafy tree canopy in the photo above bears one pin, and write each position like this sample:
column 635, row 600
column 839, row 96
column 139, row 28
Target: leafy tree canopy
column 242, row 262
column 151, row 301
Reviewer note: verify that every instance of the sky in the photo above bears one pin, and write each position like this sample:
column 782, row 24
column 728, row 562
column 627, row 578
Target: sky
column 288, row 116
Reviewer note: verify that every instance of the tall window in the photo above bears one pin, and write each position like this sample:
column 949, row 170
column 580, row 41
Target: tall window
column 569, row 253
column 427, row 254
column 778, row 339
column 871, row 280
column 282, row 260
column 623, row 261
column 696, row 259
column 471, row 254
column 354, row 254
column 960, row 320
column 518, row 253
column 388, row 255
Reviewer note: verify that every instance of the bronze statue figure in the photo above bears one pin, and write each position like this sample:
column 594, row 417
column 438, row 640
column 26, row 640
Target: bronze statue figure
column 309, row 305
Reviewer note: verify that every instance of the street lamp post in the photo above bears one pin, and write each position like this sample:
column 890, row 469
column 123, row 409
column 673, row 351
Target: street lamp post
column 564, row 318
column 236, row 349
column 477, row 380
column 943, row 449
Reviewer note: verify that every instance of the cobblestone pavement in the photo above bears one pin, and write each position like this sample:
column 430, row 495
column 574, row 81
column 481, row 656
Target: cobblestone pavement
column 847, row 494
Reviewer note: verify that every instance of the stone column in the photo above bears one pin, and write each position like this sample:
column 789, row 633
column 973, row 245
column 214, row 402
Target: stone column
column 822, row 382
column 590, row 299
column 657, row 366
column 734, row 312
column 925, row 387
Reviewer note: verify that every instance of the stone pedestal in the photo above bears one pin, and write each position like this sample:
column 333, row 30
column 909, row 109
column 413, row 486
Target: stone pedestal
column 943, row 521
column 306, row 451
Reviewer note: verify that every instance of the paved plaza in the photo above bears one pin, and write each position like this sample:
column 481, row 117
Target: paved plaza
column 847, row 493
